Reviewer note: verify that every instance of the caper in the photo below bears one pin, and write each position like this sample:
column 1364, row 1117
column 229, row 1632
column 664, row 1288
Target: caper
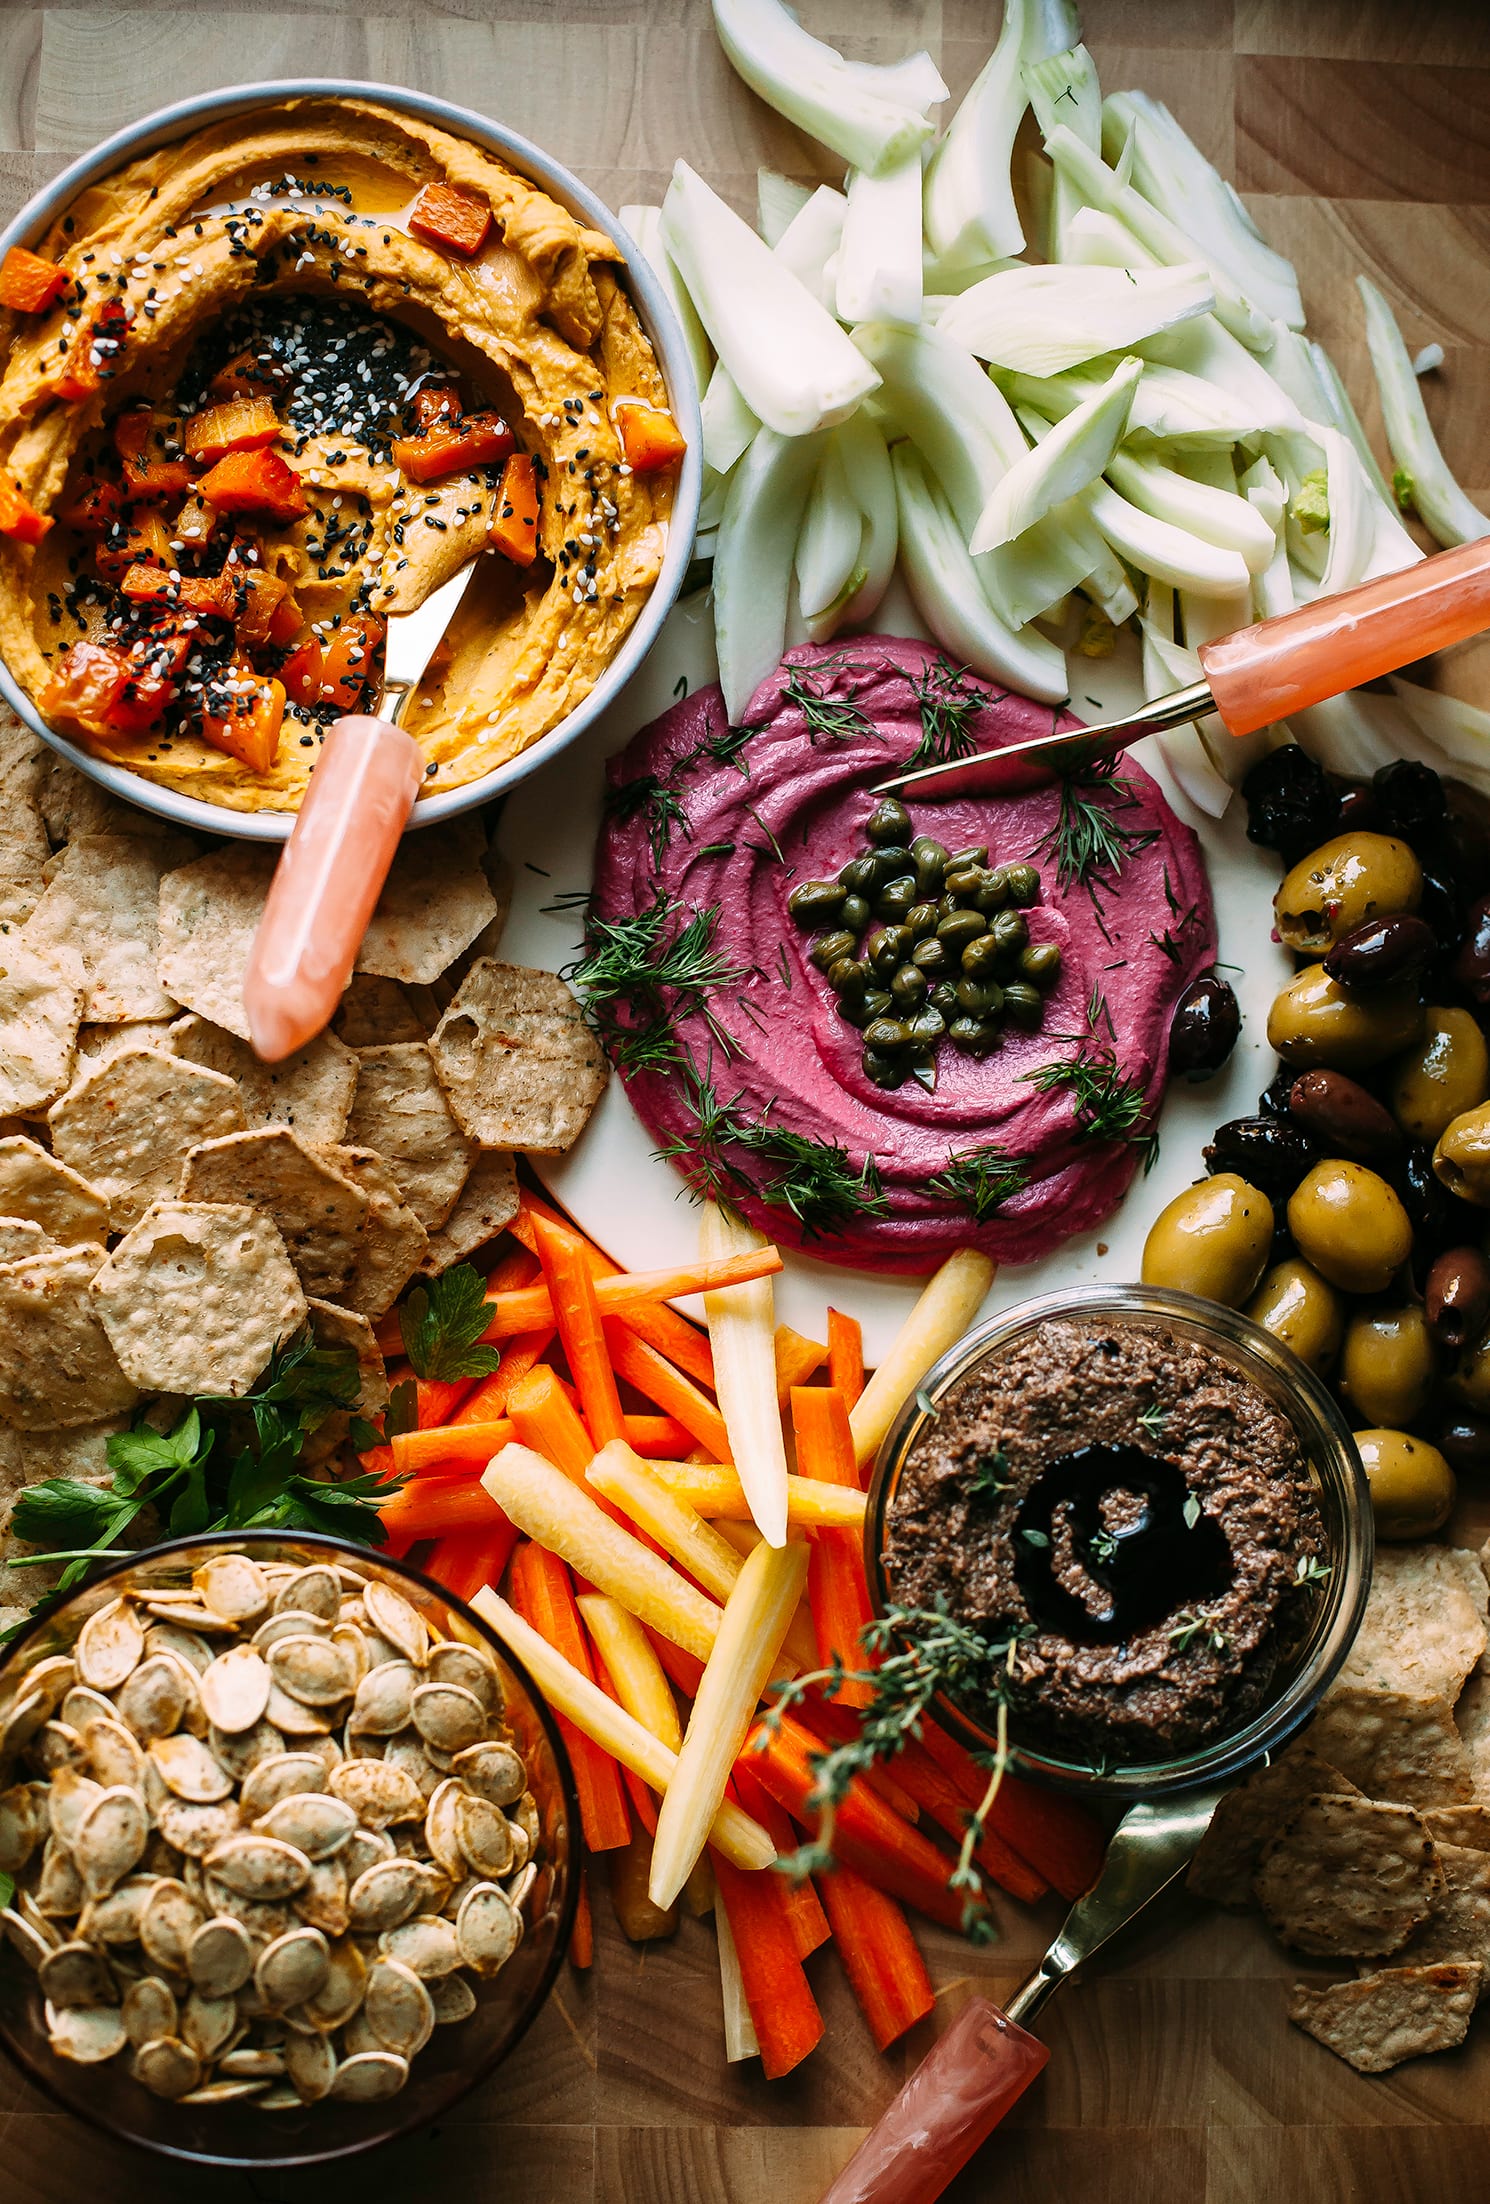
column 1024, row 1005
column 945, row 998
column 895, row 899
column 923, row 1067
column 929, row 856
column 893, row 860
column 887, row 1034
column 854, row 1010
column 932, row 956
column 1445, row 1074
column 979, row 998
column 959, row 927
column 974, row 1036
column 816, row 901
column 1010, row 930
column 1342, row 884
column 1387, row 1366
column 849, row 976
column 979, row 957
column 961, row 857
column 888, row 949
column 1212, row 1240
column 860, row 876
column 1456, row 1300
column 1040, row 964
column 1412, row 1486
column 888, row 822
column 886, row 1071
column 965, row 880
column 1314, row 1021
column 855, row 914
column 909, row 986
column 828, row 948
column 922, row 919
column 1350, row 1225
column 927, row 1026
column 994, row 893
column 1462, row 1157
column 1302, row 1310
column 1024, row 885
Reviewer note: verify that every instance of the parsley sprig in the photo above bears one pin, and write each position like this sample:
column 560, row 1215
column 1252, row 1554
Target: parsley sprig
column 442, row 1323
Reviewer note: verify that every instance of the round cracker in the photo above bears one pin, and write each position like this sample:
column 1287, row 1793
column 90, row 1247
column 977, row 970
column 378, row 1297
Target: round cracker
column 1349, row 1876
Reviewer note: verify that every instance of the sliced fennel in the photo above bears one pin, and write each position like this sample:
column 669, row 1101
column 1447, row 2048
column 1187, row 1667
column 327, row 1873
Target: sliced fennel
column 728, row 422
column 1089, row 238
column 1064, row 88
column 970, row 209
column 1106, row 584
column 871, row 117
column 1448, row 514
column 1261, row 486
column 1044, row 320
column 879, row 257
column 949, row 597
column 758, row 534
column 1217, row 516
column 832, row 529
column 810, row 240
column 1071, row 455
column 1168, row 405
column 1455, row 735
column 794, row 366
column 1159, row 548
column 1365, row 537
column 867, row 467
column 1206, row 349
column 777, row 201
column 1166, row 666
column 645, row 225
column 1172, row 173
column 1345, row 417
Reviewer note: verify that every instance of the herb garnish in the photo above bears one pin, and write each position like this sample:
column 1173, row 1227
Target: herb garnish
column 1109, row 1107
column 947, row 705
column 1311, row 1570
column 656, row 803
column 636, row 977
column 1153, row 1419
column 1088, row 840
column 828, row 718
column 442, row 1323
column 814, row 1179
column 990, row 1475
column 1189, row 1626
column 981, row 1179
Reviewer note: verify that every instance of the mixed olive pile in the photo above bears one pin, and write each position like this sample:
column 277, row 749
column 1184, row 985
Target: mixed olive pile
column 950, row 957
column 1351, row 1215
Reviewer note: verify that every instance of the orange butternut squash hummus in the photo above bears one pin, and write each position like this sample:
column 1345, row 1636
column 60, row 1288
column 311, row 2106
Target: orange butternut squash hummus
column 302, row 366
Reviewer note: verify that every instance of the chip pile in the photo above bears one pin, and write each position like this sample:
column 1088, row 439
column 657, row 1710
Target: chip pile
column 171, row 1209
column 266, row 1829
column 1369, row 1838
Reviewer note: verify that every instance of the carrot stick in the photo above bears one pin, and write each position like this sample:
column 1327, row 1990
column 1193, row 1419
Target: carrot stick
column 845, row 1355
column 530, row 1307
column 837, row 1591
column 436, row 1507
column 656, row 1379
column 582, row 1942
column 546, row 1419
column 880, row 1957
column 465, row 1560
column 715, row 1490
column 449, row 1447
column 490, row 1396
column 679, row 1666
column 672, row 1335
column 797, row 1359
column 835, row 1725
column 938, row 1798
column 543, row 1595
column 783, row 2010
column 1056, row 1834
column 809, row 1922
column 643, row 1804
column 578, row 1319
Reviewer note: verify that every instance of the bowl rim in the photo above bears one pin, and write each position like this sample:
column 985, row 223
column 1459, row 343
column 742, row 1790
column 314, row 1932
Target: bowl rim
column 164, row 124
column 1235, row 1335
column 37, row 2071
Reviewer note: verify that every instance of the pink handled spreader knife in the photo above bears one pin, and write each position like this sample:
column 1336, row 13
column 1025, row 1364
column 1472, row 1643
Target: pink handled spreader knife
column 331, row 871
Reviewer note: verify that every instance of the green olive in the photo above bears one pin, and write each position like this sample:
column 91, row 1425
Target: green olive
column 929, row 856
column 1470, row 1380
column 960, row 927
column 974, row 1036
column 889, row 822
column 1412, row 1486
column 932, row 956
column 1212, row 1240
column 1024, row 1005
column 1024, row 885
column 817, row 901
column 909, row 986
column 980, row 956
column 1041, row 964
column 1342, row 884
column 1349, row 1224
column 1302, row 1310
column 828, row 948
column 1447, row 1073
column 922, row 918
column 1386, row 1371
column 1317, row 1024
column 1462, row 1157
column 854, row 914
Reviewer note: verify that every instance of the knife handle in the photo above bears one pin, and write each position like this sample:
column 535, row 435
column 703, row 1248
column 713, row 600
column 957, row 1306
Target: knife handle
column 1262, row 674
column 953, row 2102
column 328, row 880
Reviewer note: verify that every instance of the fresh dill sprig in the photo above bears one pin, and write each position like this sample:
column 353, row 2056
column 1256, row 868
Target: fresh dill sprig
column 1089, row 841
column 637, row 976
column 1109, row 1106
column 828, row 718
column 725, row 1155
column 980, row 1180
column 947, row 706
column 657, row 805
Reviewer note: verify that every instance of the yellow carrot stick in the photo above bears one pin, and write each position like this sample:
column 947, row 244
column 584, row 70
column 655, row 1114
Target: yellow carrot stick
column 740, row 2039
column 679, row 1529
column 563, row 1516
column 800, row 1642
column 755, row 1622
column 716, row 1491
column 633, row 1666
column 615, row 1731
column 742, row 1334
column 952, row 1299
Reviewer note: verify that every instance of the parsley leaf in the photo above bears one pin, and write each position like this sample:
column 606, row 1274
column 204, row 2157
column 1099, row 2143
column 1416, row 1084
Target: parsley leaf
column 441, row 1324
column 63, row 1511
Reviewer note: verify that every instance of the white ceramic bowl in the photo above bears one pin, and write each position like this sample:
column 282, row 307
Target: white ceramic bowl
column 168, row 123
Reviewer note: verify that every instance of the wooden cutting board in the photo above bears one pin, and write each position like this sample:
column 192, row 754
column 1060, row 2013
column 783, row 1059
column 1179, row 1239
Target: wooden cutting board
column 1359, row 131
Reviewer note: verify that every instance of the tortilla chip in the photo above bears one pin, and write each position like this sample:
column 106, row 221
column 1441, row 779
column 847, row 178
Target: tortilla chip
column 127, row 1123
column 1472, row 1720
column 1347, row 1876
column 1226, row 1858
column 209, row 913
column 41, row 1007
column 98, row 1042
column 311, row 1091
column 34, row 1184
column 1458, row 1928
column 72, row 805
column 1395, row 1747
column 24, row 847
column 337, row 1327
column 373, row 1012
column 317, row 1210
column 57, row 1366
column 1424, row 1626
column 487, row 1205
column 1463, row 1825
column 434, row 903
column 196, row 1297
column 1395, row 2014
column 104, row 901
column 400, row 1112
column 392, row 1243
column 519, row 1066
column 21, row 1238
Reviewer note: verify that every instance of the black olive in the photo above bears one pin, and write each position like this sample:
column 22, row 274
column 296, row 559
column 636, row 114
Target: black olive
column 929, row 856
column 1203, row 1030
column 860, row 876
column 979, row 998
column 1041, row 965
column 1010, row 930
column 1274, row 1100
column 1472, row 965
column 1024, row 885
column 888, row 822
column 828, row 948
column 959, row 927
column 1463, row 1438
column 1024, row 1005
column 932, row 957
column 974, row 1036
column 1438, row 1218
column 1382, row 952
column 854, row 916
column 1271, row 1153
column 1456, row 1299
column 1360, row 813
column 921, row 919
column 896, row 898
column 927, row 1026
column 886, row 1071
column 888, row 949
column 887, row 1034
column 1410, row 795
column 848, row 976
column 1343, row 1117
column 1443, row 904
column 909, row 986
column 1292, row 804
column 816, row 901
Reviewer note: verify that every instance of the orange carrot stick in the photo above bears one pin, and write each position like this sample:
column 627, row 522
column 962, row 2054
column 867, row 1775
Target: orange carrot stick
column 639, row 1363
column 845, row 1355
column 620, row 1292
column 672, row 1335
column 783, row 2010
column 582, row 1942
column 449, row 1447
column 643, row 1803
column 809, row 1922
column 578, row 1316
column 465, row 1560
column 797, row 1359
column 543, row 1594
column 1056, row 1834
column 488, row 1398
column 835, row 1725
column 837, row 1592
column 680, row 1667
column 939, row 1800
column 880, row 1956
column 546, row 1419
column 437, row 1507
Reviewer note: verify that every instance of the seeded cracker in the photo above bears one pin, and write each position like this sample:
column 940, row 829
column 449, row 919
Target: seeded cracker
column 1398, row 2013
column 1472, row 1720
column 1468, row 1826
column 1459, row 1925
column 374, row 1011
column 57, row 1366
column 318, row 1211
column 127, row 1123
column 1424, row 1626
column 41, row 1004
column 337, row 1327
column 310, row 1091
column 400, row 1113
column 95, row 1042
column 487, row 1205
column 103, row 901
column 209, row 913
column 392, row 1244
column 519, row 1066
column 21, row 1239
column 1395, row 1747
column 1349, row 1876
column 197, row 1296
column 24, row 848
column 34, row 1184
column 436, row 900
column 73, row 806
column 1227, row 1857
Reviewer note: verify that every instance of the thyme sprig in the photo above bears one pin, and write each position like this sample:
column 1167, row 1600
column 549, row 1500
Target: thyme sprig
column 637, row 976
column 980, row 1180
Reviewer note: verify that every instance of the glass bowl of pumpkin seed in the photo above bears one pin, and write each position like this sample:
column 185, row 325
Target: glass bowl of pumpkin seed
column 289, row 1836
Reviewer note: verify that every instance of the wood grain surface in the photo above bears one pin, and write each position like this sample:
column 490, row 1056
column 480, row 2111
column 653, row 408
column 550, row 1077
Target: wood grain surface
column 1359, row 130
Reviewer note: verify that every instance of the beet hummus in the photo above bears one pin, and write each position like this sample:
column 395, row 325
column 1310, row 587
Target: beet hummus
column 742, row 1064
column 1137, row 1512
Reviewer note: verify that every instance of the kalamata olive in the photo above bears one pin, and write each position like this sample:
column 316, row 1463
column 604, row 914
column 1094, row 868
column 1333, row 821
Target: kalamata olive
column 817, row 901
column 848, row 976
column 964, row 881
column 1302, row 1310
column 1203, row 1030
column 1350, row 1225
column 1024, row 886
column 979, row 998
column 1382, row 953
column 1268, row 1152
column 1359, row 810
column 929, row 856
column 932, row 957
column 1439, row 1219
column 1472, row 964
column 895, row 899
column 974, row 1036
column 994, row 893
column 1442, row 1075
column 861, row 875
column 1387, row 1363
column 1412, row 1486
column 1292, row 804
column 1212, row 1240
column 855, row 914
column 1443, row 905
column 887, row 1034
column 909, row 986
column 1456, row 1299
column 828, row 948
column 1338, row 886
column 1010, row 929
column 1040, row 964
column 960, row 928
column 1314, row 1021
column 1410, row 794
column 888, row 822
column 1463, row 1437
column 886, row 1071
column 888, row 949
column 1273, row 1100
column 922, row 919
column 979, row 957
column 1339, row 1113
column 1470, row 1379
column 1462, row 1157
column 1024, row 1005
column 927, row 1026
column 944, row 997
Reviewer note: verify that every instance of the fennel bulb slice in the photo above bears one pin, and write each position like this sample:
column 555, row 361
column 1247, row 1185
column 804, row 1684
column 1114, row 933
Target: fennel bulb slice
column 1209, row 351
column 1091, row 239
column 810, row 240
column 1071, row 455
column 1159, row 548
column 645, row 225
column 1455, row 735
column 728, row 422
column 1064, row 88
column 869, row 117
column 1168, row 405
column 1345, row 417
column 866, row 461
column 777, row 201
column 1219, row 516
column 832, row 530
column 879, row 256
column 1449, row 515
column 1167, row 665
column 970, row 209
column 1046, row 319
column 758, row 533
column 794, row 366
